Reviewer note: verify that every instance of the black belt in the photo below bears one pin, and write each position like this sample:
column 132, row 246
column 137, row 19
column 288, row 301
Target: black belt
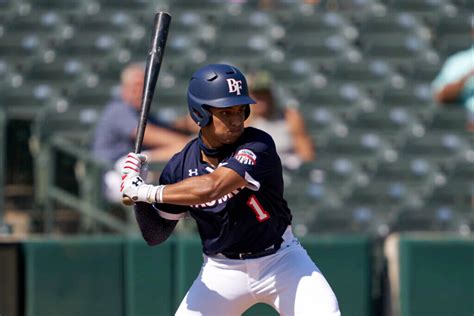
column 252, row 255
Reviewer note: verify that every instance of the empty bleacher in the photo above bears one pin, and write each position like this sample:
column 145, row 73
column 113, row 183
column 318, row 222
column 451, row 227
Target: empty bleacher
column 389, row 157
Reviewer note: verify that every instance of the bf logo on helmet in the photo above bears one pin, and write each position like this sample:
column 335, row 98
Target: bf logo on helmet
column 234, row 85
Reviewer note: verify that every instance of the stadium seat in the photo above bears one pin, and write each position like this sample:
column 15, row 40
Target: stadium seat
column 451, row 195
column 70, row 9
column 243, row 48
column 210, row 9
column 415, row 99
column 369, row 75
column 95, row 97
column 18, row 50
column 289, row 74
column 464, row 5
column 48, row 26
column 89, row 46
column 450, row 44
column 336, row 172
column 25, row 101
column 448, row 119
column 366, row 148
column 393, row 24
column 282, row 10
column 424, row 220
column 321, row 50
column 440, row 148
column 322, row 123
column 452, row 34
column 138, row 8
column 402, row 182
column 61, row 75
column 346, row 100
column 185, row 49
column 320, row 24
column 426, row 9
column 382, row 196
column 399, row 51
column 423, row 71
column 351, row 8
column 192, row 24
column 121, row 26
column 340, row 221
column 393, row 124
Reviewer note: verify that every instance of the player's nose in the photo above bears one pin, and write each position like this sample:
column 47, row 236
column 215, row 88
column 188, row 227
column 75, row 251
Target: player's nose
column 237, row 120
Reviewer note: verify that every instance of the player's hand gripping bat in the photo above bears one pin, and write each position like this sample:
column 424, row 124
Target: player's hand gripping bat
column 153, row 64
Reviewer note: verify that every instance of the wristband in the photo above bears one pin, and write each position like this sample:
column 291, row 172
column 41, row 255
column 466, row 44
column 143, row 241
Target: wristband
column 159, row 193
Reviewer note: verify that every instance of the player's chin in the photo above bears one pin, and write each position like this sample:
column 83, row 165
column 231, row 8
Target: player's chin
column 232, row 136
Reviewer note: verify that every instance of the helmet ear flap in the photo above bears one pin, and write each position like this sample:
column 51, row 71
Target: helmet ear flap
column 207, row 117
column 202, row 116
column 247, row 111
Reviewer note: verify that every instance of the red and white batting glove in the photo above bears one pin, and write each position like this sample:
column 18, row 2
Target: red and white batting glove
column 134, row 165
column 133, row 185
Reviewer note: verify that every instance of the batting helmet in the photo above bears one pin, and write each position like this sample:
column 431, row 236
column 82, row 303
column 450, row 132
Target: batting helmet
column 216, row 85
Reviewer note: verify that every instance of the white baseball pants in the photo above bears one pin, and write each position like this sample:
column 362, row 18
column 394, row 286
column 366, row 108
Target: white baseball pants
column 288, row 281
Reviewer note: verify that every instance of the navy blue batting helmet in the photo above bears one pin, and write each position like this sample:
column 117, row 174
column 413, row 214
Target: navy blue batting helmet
column 216, row 85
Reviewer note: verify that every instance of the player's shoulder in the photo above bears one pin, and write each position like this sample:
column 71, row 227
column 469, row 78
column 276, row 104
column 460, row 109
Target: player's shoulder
column 255, row 135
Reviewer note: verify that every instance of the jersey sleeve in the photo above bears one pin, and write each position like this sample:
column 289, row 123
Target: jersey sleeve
column 170, row 211
column 254, row 161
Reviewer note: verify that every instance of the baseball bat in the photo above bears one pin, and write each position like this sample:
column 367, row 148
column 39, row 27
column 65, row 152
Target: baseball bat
column 152, row 69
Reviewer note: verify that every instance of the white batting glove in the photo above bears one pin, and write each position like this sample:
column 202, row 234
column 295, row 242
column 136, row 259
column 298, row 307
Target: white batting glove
column 137, row 190
column 133, row 186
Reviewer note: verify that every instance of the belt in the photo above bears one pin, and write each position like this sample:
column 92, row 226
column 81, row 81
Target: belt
column 253, row 255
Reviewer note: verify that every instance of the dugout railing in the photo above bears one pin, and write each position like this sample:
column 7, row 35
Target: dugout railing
column 88, row 200
column 3, row 122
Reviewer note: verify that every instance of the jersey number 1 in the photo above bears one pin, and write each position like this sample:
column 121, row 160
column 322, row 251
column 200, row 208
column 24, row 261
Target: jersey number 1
column 257, row 208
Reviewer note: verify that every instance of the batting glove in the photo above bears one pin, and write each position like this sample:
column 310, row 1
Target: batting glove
column 134, row 165
column 136, row 189
column 133, row 185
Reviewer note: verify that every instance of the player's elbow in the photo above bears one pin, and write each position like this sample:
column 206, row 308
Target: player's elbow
column 209, row 190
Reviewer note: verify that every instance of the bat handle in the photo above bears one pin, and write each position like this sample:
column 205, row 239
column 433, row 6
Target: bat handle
column 127, row 201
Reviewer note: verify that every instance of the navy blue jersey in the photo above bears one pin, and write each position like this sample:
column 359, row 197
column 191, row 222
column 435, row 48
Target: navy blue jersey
column 248, row 219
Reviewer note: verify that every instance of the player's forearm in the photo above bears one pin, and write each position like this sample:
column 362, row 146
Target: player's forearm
column 158, row 136
column 452, row 91
column 155, row 229
column 205, row 188
column 195, row 190
column 304, row 148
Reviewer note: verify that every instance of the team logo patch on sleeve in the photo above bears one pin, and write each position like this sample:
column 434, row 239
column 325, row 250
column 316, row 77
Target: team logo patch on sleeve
column 246, row 157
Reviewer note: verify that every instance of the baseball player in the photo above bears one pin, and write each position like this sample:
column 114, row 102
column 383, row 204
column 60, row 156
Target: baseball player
column 229, row 179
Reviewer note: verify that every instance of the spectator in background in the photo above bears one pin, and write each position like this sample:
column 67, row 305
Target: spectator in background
column 285, row 124
column 455, row 82
column 116, row 129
